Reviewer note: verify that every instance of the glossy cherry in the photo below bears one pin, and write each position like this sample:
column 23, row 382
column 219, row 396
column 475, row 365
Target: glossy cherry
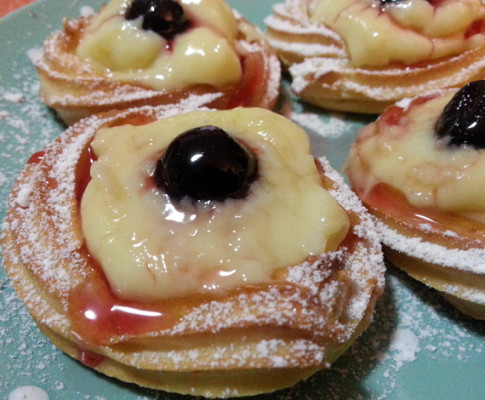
column 462, row 121
column 206, row 163
column 165, row 17
column 398, row 1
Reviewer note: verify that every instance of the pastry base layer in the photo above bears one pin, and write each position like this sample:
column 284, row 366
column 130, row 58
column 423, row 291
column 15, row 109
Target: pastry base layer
column 448, row 260
column 206, row 383
column 247, row 341
column 455, row 286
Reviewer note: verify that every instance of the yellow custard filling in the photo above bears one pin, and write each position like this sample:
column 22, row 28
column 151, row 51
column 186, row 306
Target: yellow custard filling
column 125, row 52
column 407, row 31
column 408, row 157
column 151, row 247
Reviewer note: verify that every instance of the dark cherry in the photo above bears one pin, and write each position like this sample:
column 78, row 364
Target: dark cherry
column 206, row 163
column 397, row 1
column 165, row 17
column 463, row 118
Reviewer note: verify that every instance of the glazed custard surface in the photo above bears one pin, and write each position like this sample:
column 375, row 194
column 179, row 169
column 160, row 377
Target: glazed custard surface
column 403, row 151
column 151, row 247
column 420, row 30
column 126, row 52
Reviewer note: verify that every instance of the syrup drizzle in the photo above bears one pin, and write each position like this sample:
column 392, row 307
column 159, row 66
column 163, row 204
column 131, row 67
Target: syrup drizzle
column 83, row 176
column 89, row 358
column 384, row 197
column 251, row 82
column 97, row 315
column 36, row 158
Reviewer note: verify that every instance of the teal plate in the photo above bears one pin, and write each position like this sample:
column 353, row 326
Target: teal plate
column 418, row 347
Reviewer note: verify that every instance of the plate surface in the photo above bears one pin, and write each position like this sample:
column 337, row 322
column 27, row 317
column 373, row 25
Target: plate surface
column 418, row 347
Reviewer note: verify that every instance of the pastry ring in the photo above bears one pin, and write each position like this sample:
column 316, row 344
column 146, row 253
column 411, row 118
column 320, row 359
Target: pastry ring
column 207, row 292
column 364, row 55
column 119, row 58
column 417, row 169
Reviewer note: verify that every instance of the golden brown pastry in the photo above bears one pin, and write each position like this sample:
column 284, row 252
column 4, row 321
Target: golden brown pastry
column 143, row 256
column 364, row 55
column 419, row 169
column 152, row 52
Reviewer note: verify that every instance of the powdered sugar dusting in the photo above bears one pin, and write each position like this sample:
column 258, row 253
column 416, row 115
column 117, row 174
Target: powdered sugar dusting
column 87, row 11
column 471, row 260
column 334, row 125
column 313, row 68
column 293, row 10
column 28, row 393
column 3, row 179
column 308, row 50
column 291, row 19
column 405, row 346
column 13, row 97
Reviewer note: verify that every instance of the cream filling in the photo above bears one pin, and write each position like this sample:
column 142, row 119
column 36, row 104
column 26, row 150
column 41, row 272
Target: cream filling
column 406, row 32
column 125, row 52
column 408, row 157
column 151, row 248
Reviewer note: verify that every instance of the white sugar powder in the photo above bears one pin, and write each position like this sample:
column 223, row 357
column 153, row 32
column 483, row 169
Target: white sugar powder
column 3, row 179
column 333, row 125
column 405, row 346
column 13, row 97
column 34, row 54
column 86, row 11
column 28, row 393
